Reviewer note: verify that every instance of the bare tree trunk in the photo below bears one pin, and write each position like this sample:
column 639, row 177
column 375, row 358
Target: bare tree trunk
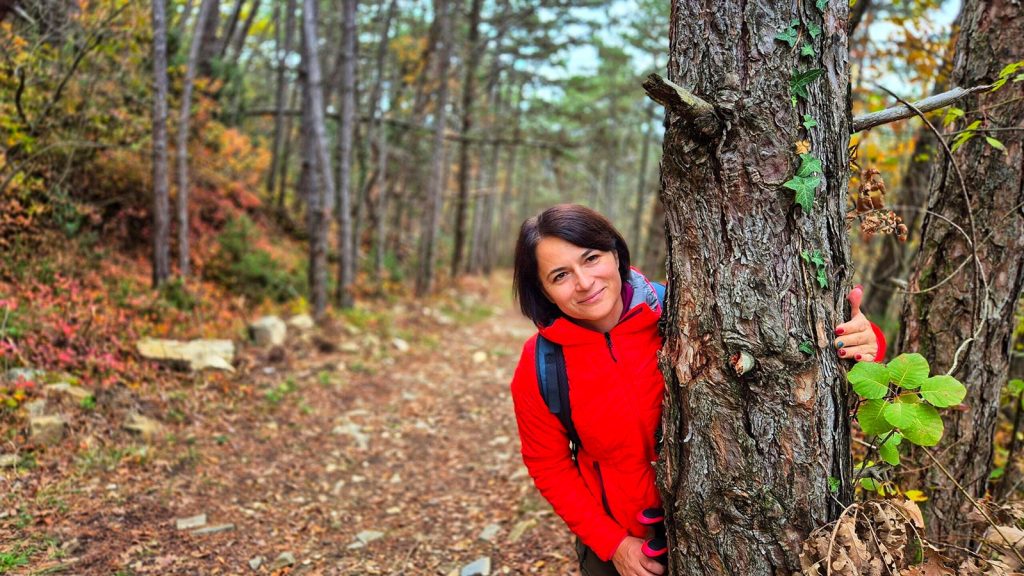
column 435, row 198
column 319, row 210
column 281, row 93
column 754, row 428
column 346, row 252
column 510, row 167
column 383, row 187
column 209, row 45
column 225, row 41
column 375, row 131
column 183, row 120
column 239, row 40
column 161, row 203
column 468, row 96
column 641, row 186
column 965, row 325
column 483, row 229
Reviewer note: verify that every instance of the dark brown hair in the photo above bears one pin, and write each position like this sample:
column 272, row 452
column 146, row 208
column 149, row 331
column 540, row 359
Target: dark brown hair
column 576, row 225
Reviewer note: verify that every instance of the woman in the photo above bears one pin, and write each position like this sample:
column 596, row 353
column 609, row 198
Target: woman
column 573, row 279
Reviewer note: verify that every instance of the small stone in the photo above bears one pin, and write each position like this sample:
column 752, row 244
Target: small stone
column 302, row 322
column 143, row 426
column 489, row 532
column 9, row 460
column 111, row 487
column 76, row 393
column 46, row 430
column 349, row 347
column 282, row 560
column 256, row 562
column 479, row 567
column 355, row 431
column 400, row 345
column 367, row 536
column 268, row 331
column 396, row 478
column 190, row 522
column 27, row 374
column 195, row 355
column 479, row 357
column 214, row 529
column 519, row 529
column 35, row 407
column 393, row 510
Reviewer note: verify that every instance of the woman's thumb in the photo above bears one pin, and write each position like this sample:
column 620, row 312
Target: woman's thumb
column 855, row 297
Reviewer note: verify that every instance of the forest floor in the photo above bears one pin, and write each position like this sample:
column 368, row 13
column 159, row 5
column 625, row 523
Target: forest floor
column 382, row 444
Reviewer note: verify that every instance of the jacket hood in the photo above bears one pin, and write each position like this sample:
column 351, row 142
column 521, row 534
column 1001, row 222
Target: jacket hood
column 642, row 310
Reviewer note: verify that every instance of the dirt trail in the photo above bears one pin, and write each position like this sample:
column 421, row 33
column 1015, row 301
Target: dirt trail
column 368, row 458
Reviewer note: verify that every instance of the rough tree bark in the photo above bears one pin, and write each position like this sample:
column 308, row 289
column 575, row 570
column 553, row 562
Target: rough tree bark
column 346, row 246
column 754, row 428
column 161, row 184
column 468, row 97
column 182, row 143
column 317, row 205
column 966, row 325
column 432, row 213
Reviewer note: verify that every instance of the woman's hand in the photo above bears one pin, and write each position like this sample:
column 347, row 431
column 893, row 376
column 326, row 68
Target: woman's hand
column 855, row 339
column 630, row 559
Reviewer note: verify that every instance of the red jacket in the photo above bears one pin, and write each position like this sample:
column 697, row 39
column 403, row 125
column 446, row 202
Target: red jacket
column 616, row 391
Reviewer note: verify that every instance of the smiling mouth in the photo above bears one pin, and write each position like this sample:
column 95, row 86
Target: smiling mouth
column 591, row 298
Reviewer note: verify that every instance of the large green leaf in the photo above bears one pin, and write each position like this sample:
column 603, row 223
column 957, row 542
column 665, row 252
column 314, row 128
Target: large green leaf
column 889, row 450
column 919, row 423
column 943, row 391
column 908, row 370
column 870, row 380
column 872, row 419
column 804, row 188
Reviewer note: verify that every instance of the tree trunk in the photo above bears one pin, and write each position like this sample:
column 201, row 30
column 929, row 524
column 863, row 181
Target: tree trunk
column 468, row 96
column 225, row 41
column 754, row 428
column 435, row 197
column 161, row 203
column 209, row 45
column 965, row 325
column 505, row 233
column 346, row 251
column 281, row 92
column 318, row 210
column 183, row 120
column 641, row 186
column 377, row 132
column 243, row 33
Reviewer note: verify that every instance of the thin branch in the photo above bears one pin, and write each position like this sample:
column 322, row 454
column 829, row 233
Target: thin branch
column 977, row 506
column 907, row 110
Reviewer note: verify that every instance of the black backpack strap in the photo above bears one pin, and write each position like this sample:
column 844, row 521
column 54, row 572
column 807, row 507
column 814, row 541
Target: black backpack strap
column 553, row 381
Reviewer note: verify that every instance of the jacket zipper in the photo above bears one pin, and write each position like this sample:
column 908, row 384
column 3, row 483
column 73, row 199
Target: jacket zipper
column 608, row 340
column 600, row 485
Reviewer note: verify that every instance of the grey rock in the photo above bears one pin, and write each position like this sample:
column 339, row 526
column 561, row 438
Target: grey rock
column 283, row 559
column 400, row 345
column 9, row 460
column 521, row 528
column 15, row 374
column 302, row 322
column 76, row 393
column 489, row 532
column 46, row 430
column 190, row 522
column 349, row 347
column 143, row 426
column 35, row 407
column 268, row 331
column 214, row 529
column 195, row 355
column 256, row 562
column 367, row 536
column 479, row 567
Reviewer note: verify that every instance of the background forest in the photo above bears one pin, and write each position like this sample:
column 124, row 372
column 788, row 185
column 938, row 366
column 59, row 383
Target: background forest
column 186, row 172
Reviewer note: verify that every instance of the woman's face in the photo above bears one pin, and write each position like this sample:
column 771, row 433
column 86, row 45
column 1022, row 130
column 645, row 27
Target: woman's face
column 583, row 282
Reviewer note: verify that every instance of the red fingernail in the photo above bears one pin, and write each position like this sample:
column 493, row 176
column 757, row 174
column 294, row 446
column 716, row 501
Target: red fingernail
column 857, row 357
column 842, row 352
column 839, row 331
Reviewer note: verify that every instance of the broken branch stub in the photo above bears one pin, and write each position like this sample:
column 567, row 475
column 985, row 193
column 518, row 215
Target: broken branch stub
column 699, row 113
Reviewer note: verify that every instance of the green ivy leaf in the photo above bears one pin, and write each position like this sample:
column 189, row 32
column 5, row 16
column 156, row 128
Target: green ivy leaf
column 870, row 380
column 800, row 80
column 943, row 391
column 833, row 484
column 997, row 473
column 995, row 143
column 789, row 36
column 814, row 29
column 818, row 259
column 952, row 113
column 807, row 50
column 807, row 348
column 889, row 450
column 919, row 423
column 804, row 188
column 809, row 165
column 1016, row 386
column 908, row 370
column 821, row 4
column 871, row 417
column 805, row 255
column 809, row 121
column 822, row 278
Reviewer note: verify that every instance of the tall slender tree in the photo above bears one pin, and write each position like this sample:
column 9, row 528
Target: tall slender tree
column 281, row 52
column 472, row 59
column 183, row 121
column 161, row 185
column 346, row 128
